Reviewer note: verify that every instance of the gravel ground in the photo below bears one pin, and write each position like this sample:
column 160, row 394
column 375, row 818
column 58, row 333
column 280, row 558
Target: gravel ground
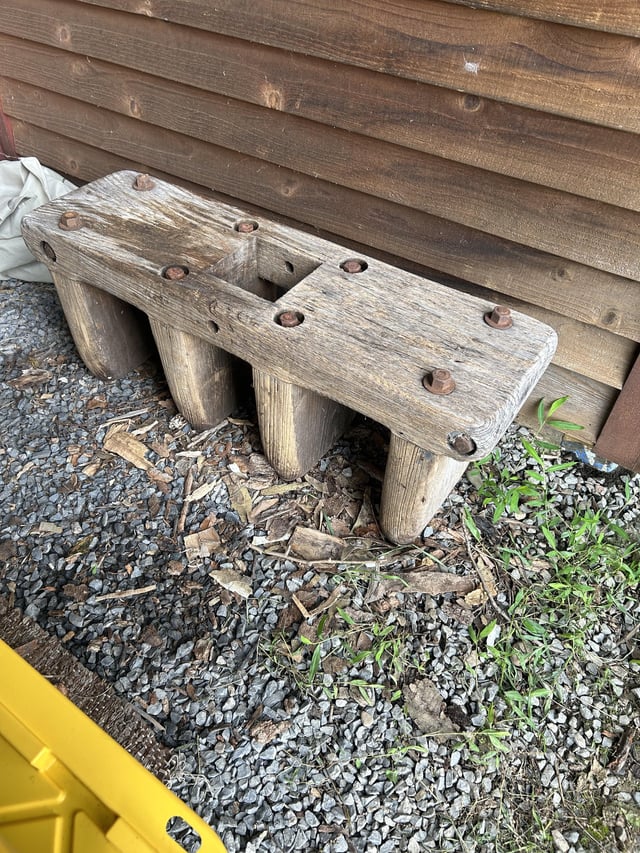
column 116, row 559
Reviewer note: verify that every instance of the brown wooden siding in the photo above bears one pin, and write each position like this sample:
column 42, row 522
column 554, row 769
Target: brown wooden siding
column 497, row 148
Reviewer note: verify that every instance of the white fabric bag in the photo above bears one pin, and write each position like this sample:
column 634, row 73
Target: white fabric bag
column 24, row 185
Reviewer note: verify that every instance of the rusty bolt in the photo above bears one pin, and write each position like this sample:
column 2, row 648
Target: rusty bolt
column 289, row 319
column 48, row 250
column 462, row 443
column 175, row 272
column 499, row 318
column 143, row 182
column 246, row 226
column 353, row 265
column 439, row 381
column 70, row 221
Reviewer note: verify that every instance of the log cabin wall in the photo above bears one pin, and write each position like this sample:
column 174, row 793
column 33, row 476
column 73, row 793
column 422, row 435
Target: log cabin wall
column 494, row 144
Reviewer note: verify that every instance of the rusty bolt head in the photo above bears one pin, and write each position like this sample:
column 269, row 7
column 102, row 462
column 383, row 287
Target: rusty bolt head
column 175, row 272
column 70, row 221
column 246, row 226
column 439, row 381
column 462, row 443
column 48, row 250
column 143, row 182
column 499, row 318
column 289, row 319
column 353, row 265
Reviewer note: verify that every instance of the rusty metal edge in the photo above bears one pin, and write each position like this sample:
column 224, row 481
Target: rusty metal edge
column 619, row 439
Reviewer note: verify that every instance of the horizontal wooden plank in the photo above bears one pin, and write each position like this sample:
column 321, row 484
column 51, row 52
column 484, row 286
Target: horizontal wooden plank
column 619, row 17
column 573, row 72
column 586, row 160
column 588, row 405
column 571, row 289
column 589, row 232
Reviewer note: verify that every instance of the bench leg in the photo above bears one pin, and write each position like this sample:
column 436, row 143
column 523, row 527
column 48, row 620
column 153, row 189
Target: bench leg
column 416, row 483
column 200, row 376
column 297, row 426
column 111, row 336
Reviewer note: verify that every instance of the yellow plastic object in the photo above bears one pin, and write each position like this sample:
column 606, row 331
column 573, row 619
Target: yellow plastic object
column 67, row 787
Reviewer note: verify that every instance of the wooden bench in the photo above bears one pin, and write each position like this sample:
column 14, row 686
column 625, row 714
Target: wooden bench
column 325, row 332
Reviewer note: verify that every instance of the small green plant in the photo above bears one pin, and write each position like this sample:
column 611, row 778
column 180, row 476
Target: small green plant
column 569, row 572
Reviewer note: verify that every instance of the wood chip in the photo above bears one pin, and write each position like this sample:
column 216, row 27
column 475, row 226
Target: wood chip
column 131, row 449
column 313, row 545
column 475, row 598
column 426, row 707
column 200, row 492
column 126, row 593
column 484, row 568
column 429, row 583
column 300, row 606
column 30, row 378
column 240, row 499
column 48, row 527
column 281, row 489
column 233, row 581
column 264, row 731
column 201, row 544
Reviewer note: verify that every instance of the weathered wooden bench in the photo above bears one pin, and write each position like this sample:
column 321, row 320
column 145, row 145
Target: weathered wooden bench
column 325, row 332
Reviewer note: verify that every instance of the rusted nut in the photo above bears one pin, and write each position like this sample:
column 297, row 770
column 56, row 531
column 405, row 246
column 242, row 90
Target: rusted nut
column 289, row 319
column 499, row 318
column 461, row 443
column 246, row 226
column 70, row 221
column 353, row 265
column 175, row 272
column 143, row 182
column 439, row 381
column 48, row 250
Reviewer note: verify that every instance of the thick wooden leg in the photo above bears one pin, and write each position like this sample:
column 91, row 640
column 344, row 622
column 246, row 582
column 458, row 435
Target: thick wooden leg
column 111, row 336
column 200, row 376
column 416, row 483
column 296, row 425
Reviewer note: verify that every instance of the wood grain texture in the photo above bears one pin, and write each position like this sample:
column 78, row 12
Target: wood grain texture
column 587, row 160
column 297, row 426
column 572, row 289
column 568, row 71
column 619, row 17
column 388, row 346
column 111, row 336
column 416, row 483
column 586, row 231
column 200, row 376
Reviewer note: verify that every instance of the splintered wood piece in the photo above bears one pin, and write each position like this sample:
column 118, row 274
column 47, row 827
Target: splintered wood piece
column 200, row 376
column 297, row 426
column 111, row 336
column 416, row 483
